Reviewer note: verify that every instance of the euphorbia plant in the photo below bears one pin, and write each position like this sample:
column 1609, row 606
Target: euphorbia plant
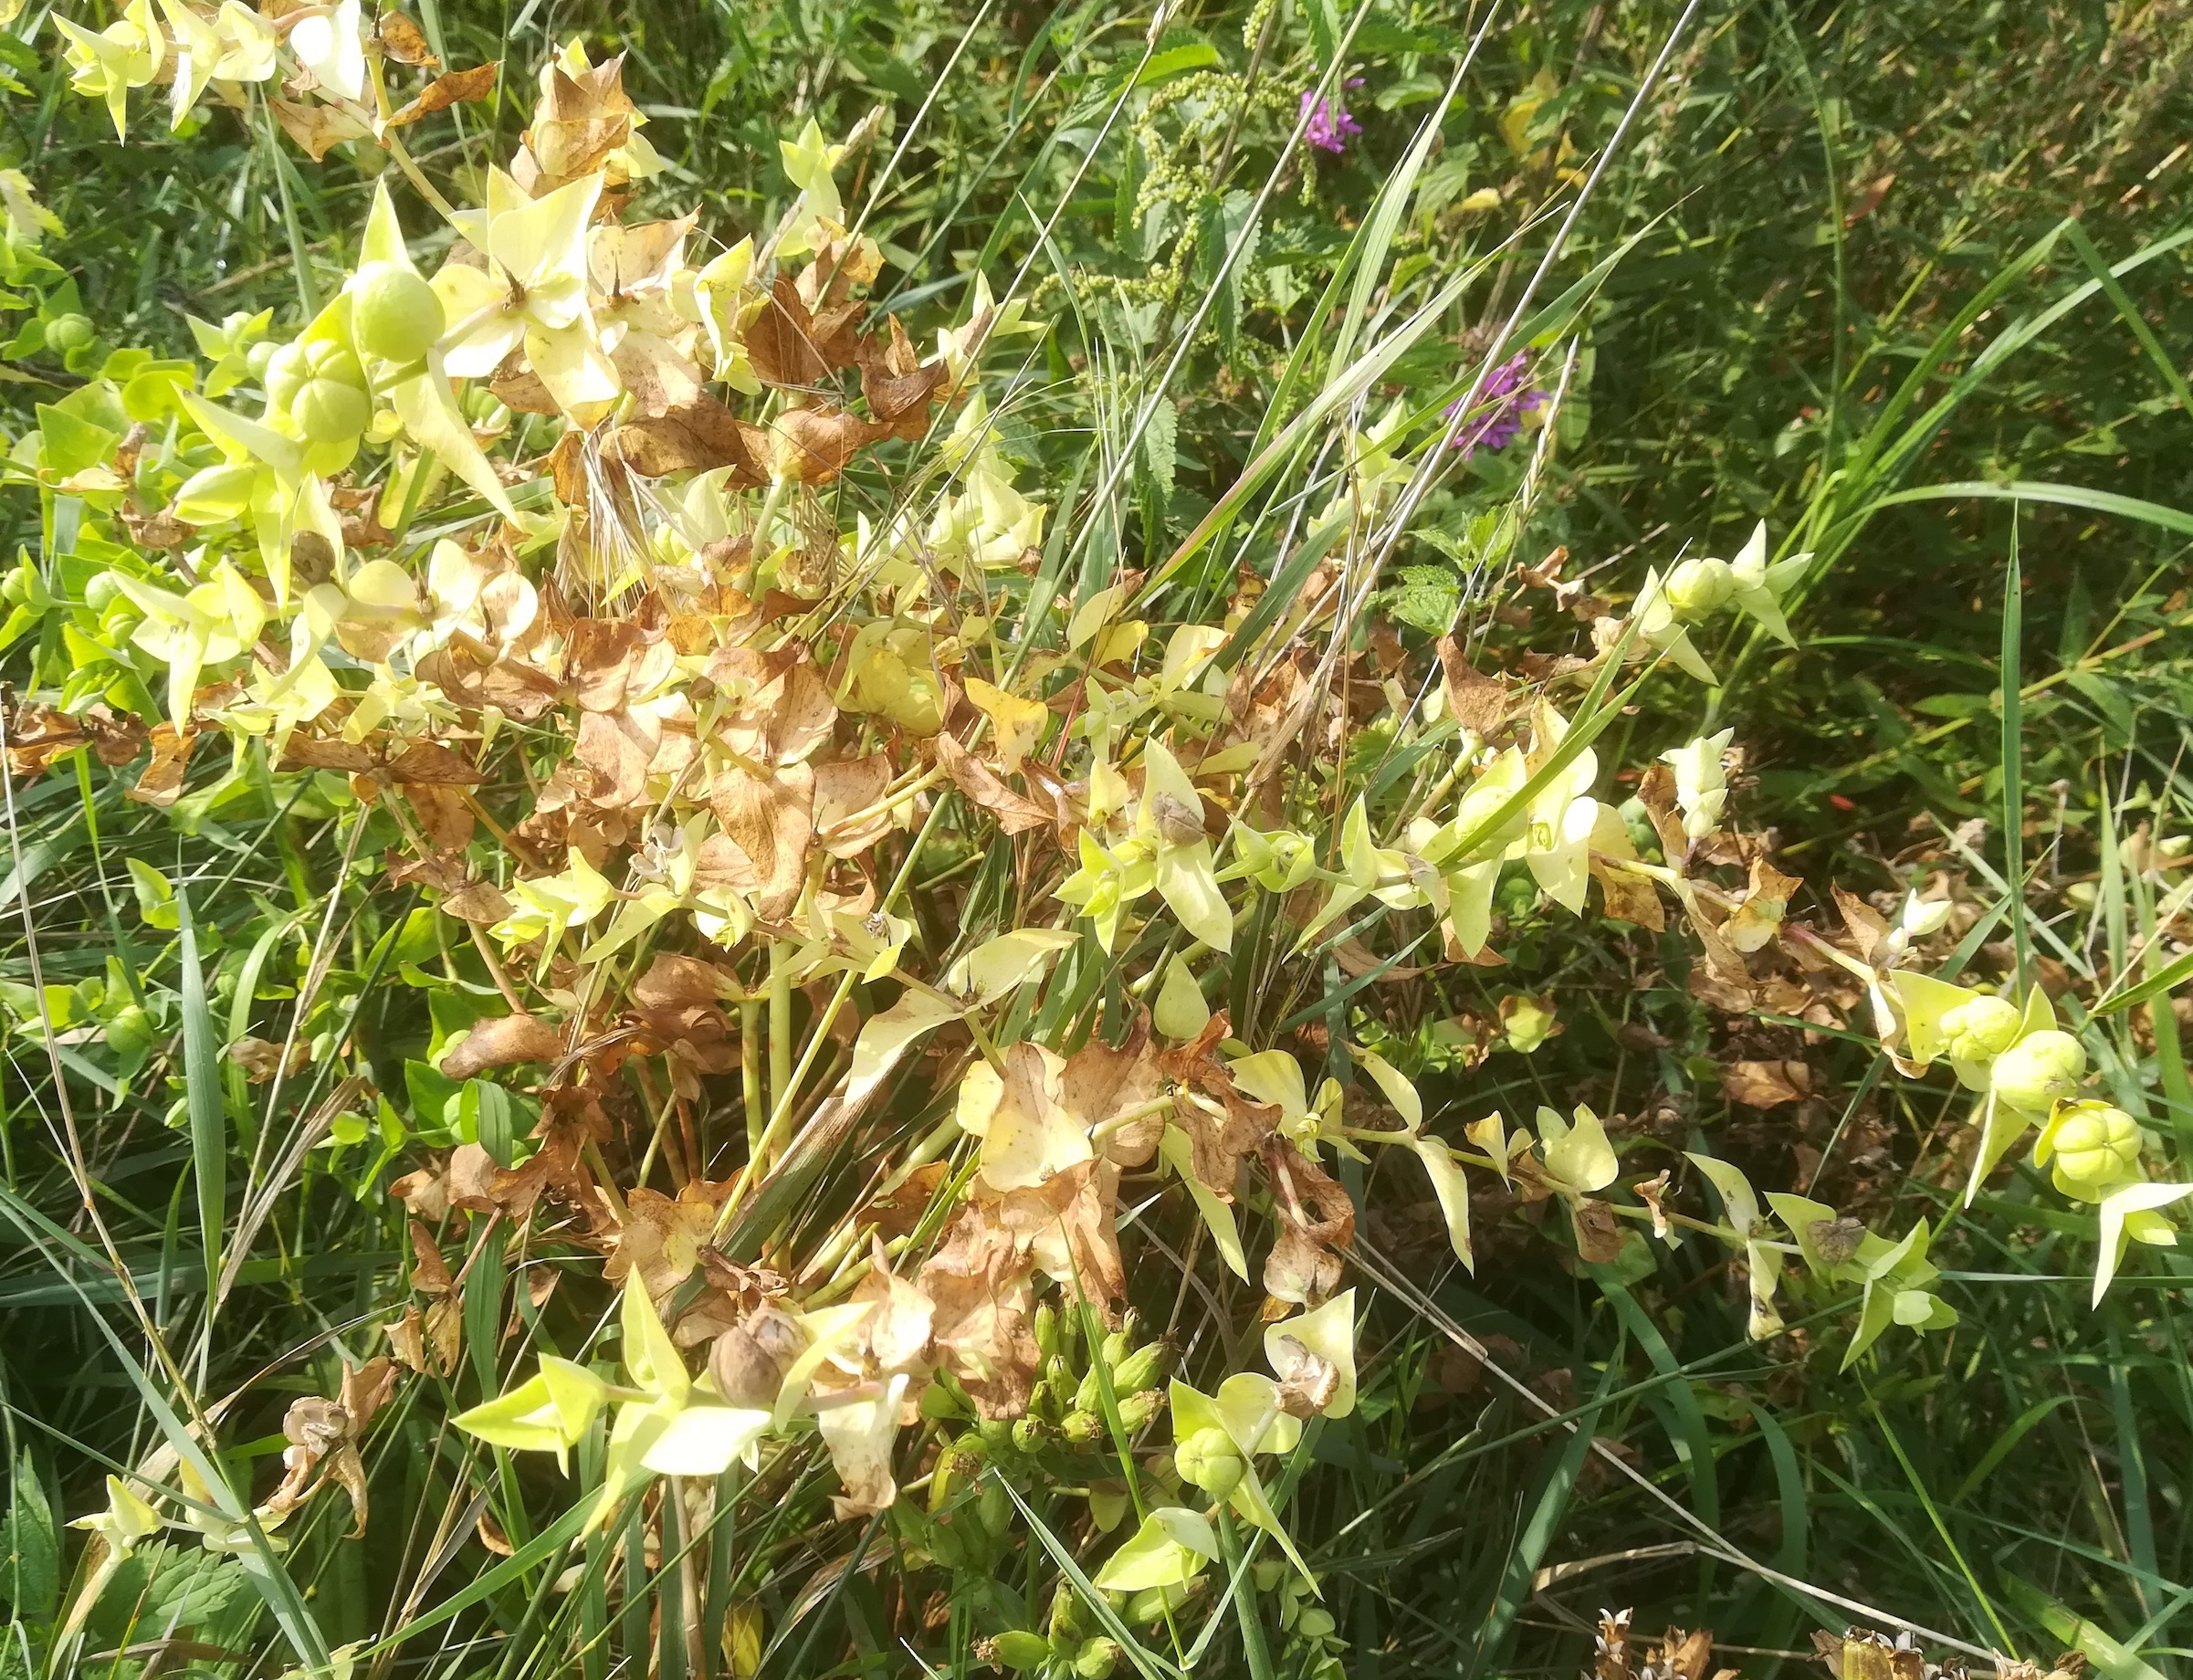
column 886, row 909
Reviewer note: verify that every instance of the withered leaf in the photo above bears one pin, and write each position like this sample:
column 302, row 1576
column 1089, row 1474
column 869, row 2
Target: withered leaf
column 1070, row 1230
column 787, row 714
column 1101, row 1085
column 984, row 1323
column 261, row 1059
column 676, row 983
column 847, row 793
column 1767, row 1085
column 580, row 121
column 317, row 128
column 1630, row 898
column 424, row 1191
column 516, row 689
column 499, row 1043
column 771, row 821
column 1759, row 919
column 430, row 1274
column 662, row 1236
column 1865, row 927
column 617, row 748
column 430, row 762
column 309, row 752
column 898, row 1212
column 402, row 40
column 161, row 783
column 451, row 88
column 789, row 346
column 471, row 1180
column 481, row 902
column 1476, row 702
column 517, row 388
column 39, row 734
column 445, row 816
column 1317, row 1219
column 1656, row 793
column 700, row 435
column 660, row 376
column 815, row 444
column 601, row 655
column 1598, row 1233
column 1015, row 813
column 897, row 388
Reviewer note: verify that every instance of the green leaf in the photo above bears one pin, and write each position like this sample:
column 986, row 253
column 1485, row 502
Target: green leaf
column 31, row 1577
column 71, row 444
column 1171, row 1546
column 155, row 896
column 2168, row 978
column 202, row 1079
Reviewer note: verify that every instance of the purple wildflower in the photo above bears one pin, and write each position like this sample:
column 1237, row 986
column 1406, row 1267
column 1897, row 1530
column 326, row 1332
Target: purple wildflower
column 1330, row 125
column 1508, row 395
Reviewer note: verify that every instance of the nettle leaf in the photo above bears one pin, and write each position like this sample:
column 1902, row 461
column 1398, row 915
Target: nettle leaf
column 1426, row 598
column 1154, row 461
column 1219, row 222
column 31, row 1574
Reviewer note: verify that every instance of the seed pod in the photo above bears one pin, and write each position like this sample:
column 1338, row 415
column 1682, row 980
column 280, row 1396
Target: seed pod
column 1046, row 1329
column 2038, row 1071
column 394, row 313
column 2097, row 1148
column 1097, row 1659
column 1029, row 1434
column 1209, row 1459
column 1020, row 1648
column 1698, row 588
column 750, row 1360
column 1081, row 1428
column 1139, row 1369
column 1975, row 1033
column 1136, row 1409
column 1065, row 1623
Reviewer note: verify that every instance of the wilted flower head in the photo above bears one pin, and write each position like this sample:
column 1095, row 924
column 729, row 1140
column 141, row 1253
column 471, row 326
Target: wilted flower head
column 1330, row 125
column 1507, row 396
column 1701, row 782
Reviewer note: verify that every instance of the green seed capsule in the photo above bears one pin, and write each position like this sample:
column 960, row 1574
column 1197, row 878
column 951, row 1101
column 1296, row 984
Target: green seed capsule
column 1209, row 1459
column 68, row 333
column 394, row 313
column 1018, row 1648
column 1139, row 1369
column 1136, row 1409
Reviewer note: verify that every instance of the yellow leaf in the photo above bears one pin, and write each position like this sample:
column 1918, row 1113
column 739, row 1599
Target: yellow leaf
column 1017, row 724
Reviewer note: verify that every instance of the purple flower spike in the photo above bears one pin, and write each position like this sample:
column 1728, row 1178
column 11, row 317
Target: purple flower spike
column 1507, row 398
column 1329, row 124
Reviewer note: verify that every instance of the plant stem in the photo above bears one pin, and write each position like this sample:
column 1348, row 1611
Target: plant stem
column 780, row 1025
